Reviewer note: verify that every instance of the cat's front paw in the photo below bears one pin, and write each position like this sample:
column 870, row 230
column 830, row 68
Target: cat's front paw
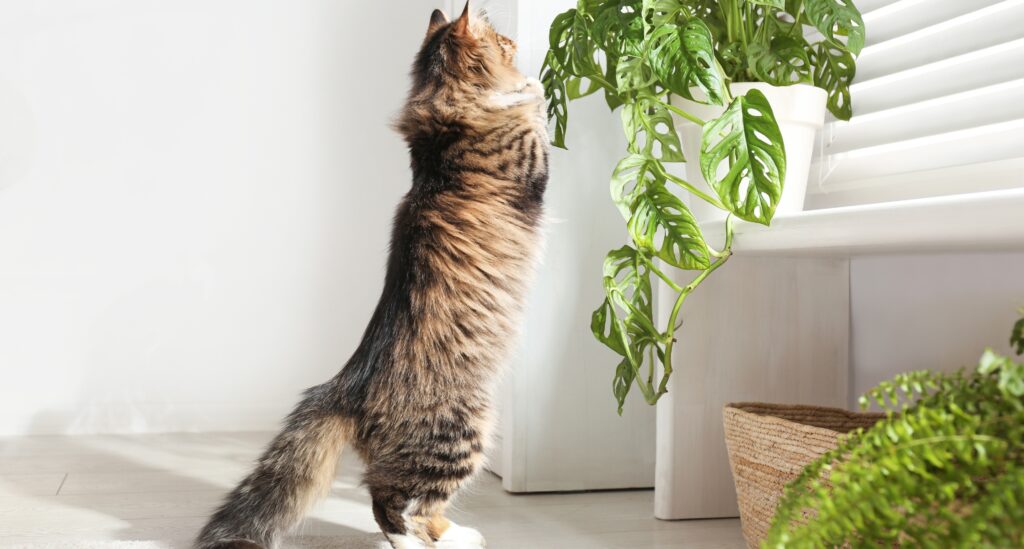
column 461, row 537
column 534, row 87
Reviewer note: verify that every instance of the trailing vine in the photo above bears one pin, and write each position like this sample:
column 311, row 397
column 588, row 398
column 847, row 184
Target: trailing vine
column 639, row 54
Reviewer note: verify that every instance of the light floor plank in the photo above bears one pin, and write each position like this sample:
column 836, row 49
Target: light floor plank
column 162, row 487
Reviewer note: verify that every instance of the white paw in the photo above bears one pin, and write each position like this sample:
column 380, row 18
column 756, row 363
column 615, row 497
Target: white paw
column 535, row 86
column 509, row 100
column 461, row 537
column 405, row 541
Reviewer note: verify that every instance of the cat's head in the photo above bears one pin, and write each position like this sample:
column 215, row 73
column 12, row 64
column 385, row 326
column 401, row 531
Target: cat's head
column 466, row 51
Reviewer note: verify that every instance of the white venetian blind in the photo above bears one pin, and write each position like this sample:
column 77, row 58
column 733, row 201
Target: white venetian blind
column 938, row 105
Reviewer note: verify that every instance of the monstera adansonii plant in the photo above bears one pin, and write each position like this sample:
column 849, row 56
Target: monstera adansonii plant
column 638, row 54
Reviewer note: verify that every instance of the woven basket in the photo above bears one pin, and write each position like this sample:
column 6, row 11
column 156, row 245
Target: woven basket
column 770, row 444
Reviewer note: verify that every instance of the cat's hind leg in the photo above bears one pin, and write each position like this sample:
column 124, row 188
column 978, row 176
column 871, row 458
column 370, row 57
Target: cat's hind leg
column 429, row 522
column 389, row 507
column 426, row 525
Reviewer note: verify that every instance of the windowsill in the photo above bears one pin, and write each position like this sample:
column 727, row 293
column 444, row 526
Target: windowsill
column 979, row 221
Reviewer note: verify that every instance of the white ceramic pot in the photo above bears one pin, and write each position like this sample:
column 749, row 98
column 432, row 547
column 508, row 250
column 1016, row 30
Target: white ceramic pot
column 800, row 112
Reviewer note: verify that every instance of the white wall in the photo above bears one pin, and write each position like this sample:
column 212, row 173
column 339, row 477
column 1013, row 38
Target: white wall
column 195, row 197
column 936, row 311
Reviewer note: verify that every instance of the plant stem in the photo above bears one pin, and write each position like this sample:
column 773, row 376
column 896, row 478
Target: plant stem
column 650, row 368
column 689, row 187
column 600, row 80
column 674, row 316
column 796, row 22
column 683, row 113
column 671, row 283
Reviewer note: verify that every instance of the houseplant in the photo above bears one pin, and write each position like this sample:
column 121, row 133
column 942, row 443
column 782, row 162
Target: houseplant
column 945, row 468
column 639, row 54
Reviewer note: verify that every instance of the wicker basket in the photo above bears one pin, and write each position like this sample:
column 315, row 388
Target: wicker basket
column 770, row 444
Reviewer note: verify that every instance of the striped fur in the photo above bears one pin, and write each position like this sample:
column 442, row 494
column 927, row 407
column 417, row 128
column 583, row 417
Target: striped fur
column 414, row 400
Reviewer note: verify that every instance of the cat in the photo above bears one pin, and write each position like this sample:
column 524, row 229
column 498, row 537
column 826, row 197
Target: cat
column 414, row 400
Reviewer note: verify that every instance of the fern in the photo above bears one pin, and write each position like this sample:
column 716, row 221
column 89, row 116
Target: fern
column 945, row 468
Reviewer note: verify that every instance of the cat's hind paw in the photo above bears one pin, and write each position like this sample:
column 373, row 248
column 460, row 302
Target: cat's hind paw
column 405, row 541
column 461, row 537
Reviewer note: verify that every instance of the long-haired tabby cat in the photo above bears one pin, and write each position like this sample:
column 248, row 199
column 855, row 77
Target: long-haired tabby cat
column 415, row 398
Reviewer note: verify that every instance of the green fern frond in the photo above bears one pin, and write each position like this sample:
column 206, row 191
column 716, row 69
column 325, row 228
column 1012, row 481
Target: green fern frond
column 944, row 468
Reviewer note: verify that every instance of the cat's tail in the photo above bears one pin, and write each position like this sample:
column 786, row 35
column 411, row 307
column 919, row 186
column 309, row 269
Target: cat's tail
column 293, row 473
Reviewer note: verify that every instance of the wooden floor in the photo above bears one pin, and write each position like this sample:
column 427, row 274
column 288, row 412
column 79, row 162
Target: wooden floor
column 160, row 487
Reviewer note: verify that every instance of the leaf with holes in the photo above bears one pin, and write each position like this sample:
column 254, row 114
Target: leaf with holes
column 650, row 130
column 747, row 139
column 614, row 28
column 664, row 12
column 662, row 225
column 627, row 283
column 623, row 382
column 624, row 321
column 572, row 45
column 606, row 29
column 733, row 60
column 630, row 179
column 835, row 18
column 609, row 329
column 632, row 74
column 783, row 62
column 834, row 69
column 560, row 36
column 579, row 87
column 582, row 49
column 554, row 89
column 683, row 57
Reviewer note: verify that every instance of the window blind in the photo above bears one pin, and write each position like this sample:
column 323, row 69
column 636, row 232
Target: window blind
column 938, row 105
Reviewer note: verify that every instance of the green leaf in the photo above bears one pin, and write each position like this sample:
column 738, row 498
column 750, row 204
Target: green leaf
column 733, row 59
column 837, row 18
column 627, row 283
column 611, row 95
column 630, row 179
column 609, row 329
column 632, row 74
column 783, row 62
column 747, row 138
column 624, row 321
column 834, row 69
column 661, row 224
column 560, row 36
column 583, row 49
column 615, row 29
column 778, row 4
column 664, row 12
column 553, row 80
column 647, row 123
column 575, row 89
column 623, row 382
column 572, row 44
column 683, row 57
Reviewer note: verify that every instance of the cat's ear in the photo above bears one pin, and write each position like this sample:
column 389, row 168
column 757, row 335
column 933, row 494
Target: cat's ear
column 437, row 19
column 461, row 25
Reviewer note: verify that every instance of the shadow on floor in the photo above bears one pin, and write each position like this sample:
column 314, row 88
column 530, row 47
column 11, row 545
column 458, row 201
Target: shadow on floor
column 163, row 487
